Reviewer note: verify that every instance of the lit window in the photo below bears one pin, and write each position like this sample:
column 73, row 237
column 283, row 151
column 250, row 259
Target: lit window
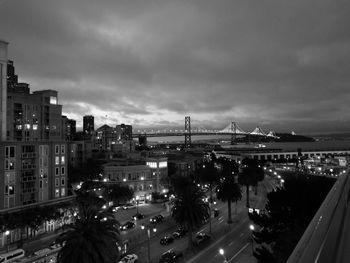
column 27, row 126
column 62, row 160
column 57, row 192
column 53, row 100
column 57, row 160
column 63, row 191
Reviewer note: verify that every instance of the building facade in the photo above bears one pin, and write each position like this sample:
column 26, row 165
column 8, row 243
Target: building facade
column 136, row 176
column 88, row 124
column 34, row 172
column 3, row 88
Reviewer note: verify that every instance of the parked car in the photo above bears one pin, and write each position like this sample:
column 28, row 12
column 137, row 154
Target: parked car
column 166, row 240
column 156, row 219
column 138, row 216
column 55, row 244
column 129, row 206
column 170, row 256
column 180, row 232
column 127, row 225
column 200, row 238
column 131, row 258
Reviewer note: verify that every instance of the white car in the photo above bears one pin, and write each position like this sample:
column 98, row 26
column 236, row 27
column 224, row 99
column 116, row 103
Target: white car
column 131, row 258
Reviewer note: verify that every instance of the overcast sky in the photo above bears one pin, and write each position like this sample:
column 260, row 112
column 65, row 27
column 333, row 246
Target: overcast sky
column 280, row 64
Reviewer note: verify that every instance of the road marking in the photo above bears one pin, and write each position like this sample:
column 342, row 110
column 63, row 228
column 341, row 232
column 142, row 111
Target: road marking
column 217, row 241
column 235, row 255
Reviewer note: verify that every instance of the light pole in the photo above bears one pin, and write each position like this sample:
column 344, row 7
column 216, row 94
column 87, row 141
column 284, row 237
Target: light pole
column 7, row 234
column 222, row 253
column 251, row 227
column 148, row 231
column 137, row 204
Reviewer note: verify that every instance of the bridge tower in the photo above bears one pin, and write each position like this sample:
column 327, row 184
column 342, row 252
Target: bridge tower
column 187, row 131
column 233, row 135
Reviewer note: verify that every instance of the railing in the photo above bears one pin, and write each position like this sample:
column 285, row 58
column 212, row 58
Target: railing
column 327, row 238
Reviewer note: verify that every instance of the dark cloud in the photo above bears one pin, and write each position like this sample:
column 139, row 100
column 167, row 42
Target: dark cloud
column 282, row 64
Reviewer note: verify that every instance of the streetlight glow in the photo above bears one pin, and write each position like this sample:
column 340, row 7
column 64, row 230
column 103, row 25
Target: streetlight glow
column 252, row 227
column 221, row 251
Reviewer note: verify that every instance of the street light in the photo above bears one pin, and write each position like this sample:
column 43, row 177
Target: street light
column 222, row 253
column 251, row 227
column 7, row 234
column 148, row 231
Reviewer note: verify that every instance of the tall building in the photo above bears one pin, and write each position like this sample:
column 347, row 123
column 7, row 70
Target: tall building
column 88, row 124
column 124, row 132
column 3, row 88
column 68, row 128
column 33, row 116
column 33, row 172
column 72, row 128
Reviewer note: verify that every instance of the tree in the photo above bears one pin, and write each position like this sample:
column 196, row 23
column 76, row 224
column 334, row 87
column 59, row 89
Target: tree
column 189, row 208
column 250, row 175
column 228, row 190
column 119, row 193
column 289, row 211
column 93, row 238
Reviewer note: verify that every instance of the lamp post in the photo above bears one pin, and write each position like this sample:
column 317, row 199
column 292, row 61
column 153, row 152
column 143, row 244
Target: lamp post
column 148, row 231
column 7, row 234
column 222, row 253
column 251, row 227
column 137, row 204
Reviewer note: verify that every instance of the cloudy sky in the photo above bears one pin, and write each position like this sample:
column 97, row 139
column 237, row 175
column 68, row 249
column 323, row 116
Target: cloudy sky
column 280, row 64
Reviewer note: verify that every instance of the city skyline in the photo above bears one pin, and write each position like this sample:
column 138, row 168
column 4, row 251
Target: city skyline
column 279, row 65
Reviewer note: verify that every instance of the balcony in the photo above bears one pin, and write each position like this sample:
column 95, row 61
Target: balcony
column 327, row 238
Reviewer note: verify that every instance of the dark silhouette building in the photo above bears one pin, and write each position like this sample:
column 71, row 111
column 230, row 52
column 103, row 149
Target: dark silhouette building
column 88, row 124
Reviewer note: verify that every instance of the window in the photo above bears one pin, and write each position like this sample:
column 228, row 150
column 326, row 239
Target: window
column 63, row 191
column 63, row 149
column 62, row 171
column 57, row 192
column 41, row 184
column 57, row 171
column 9, row 189
column 57, row 149
column 62, row 181
column 63, row 160
column 57, row 182
column 9, row 165
column 57, row 160
column 10, row 152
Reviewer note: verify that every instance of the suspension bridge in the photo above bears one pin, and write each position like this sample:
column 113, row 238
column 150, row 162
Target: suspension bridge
column 232, row 129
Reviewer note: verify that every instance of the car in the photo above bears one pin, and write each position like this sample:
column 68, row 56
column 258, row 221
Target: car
column 180, row 232
column 166, row 240
column 137, row 216
column 170, row 256
column 130, row 258
column 129, row 206
column 156, row 219
column 127, row 225
column 200, row 238
column 56, row 244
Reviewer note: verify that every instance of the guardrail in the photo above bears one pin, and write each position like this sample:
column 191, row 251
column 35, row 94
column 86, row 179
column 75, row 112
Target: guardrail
column 327, row 238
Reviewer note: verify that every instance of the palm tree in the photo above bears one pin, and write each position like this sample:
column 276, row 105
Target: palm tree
column 189, row 208
column 209, row 175
column 251, row 174
column 93, row 238
column 228, row 190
